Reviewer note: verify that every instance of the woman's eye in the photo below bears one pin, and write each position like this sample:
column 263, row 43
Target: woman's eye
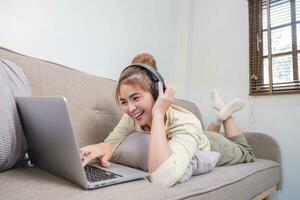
column 123, row 103
column 136, row 98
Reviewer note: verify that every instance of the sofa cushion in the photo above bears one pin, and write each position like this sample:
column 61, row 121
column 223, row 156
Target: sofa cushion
column 13, row 145
column 190, row 106
column 93, row 111
column 31, row 183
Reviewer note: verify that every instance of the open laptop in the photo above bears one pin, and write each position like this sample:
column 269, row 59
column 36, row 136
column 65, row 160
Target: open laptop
column 53, row 147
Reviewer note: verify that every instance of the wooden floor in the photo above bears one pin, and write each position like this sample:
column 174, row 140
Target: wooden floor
column 265, row 195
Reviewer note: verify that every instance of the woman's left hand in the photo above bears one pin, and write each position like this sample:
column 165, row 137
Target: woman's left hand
column 165, row 98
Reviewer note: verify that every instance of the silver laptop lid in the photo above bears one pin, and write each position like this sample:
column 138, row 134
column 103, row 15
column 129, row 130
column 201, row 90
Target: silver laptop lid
column 49, row 132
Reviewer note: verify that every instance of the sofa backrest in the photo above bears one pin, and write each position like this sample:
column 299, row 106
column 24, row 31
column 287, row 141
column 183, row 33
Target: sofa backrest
column 93, row 111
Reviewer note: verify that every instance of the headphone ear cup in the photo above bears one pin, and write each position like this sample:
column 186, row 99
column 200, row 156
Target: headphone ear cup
column 155, row 89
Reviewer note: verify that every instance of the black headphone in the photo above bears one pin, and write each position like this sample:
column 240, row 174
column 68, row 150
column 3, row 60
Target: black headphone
column 154, row 76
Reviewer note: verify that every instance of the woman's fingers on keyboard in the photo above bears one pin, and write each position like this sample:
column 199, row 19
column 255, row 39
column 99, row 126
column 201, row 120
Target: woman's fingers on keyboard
column 89, row 153
column 87, row 158
column 81, row 151
column 84, row 151
column 104, row 160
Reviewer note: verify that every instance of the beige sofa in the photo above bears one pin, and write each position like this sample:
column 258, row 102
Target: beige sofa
column 94, row 113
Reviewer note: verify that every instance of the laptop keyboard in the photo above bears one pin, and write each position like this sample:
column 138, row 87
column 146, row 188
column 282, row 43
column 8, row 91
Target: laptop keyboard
column 94, row 174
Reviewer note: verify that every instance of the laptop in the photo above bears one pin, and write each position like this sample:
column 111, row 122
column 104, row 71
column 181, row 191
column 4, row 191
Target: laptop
column 53, row 147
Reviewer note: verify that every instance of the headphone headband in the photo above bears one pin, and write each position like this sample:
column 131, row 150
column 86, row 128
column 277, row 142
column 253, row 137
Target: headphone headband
column 148, row 69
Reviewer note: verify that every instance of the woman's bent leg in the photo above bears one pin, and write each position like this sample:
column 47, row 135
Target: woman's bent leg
column 231, row 128
column 234, row 147
column 233, row 150
column 214, row 128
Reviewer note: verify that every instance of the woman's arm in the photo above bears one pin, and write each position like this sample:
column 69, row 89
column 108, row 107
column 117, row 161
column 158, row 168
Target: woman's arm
column 185, row 140
column 187, row 136
column 159, row 150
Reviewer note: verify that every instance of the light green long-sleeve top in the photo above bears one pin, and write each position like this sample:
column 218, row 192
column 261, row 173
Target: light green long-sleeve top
column 185, row 135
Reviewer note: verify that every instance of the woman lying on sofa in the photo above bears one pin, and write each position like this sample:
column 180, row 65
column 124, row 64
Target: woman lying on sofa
column 175, row 133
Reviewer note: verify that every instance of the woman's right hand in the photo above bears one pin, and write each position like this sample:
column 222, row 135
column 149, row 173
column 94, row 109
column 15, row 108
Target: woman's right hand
column 102, row 151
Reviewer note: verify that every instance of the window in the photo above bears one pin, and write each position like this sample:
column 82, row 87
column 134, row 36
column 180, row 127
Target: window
column 274, row 36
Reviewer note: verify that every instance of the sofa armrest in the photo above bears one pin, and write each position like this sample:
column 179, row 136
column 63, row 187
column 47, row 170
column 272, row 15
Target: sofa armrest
column 265, row 147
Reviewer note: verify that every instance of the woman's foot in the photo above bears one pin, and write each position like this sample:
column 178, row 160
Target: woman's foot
column 232, row 107
column 217, row 101
column 225, row 110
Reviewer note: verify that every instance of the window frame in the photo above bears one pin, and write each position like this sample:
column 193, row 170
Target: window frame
column 256, row 51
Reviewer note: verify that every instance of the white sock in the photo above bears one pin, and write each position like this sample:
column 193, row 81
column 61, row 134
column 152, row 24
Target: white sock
column 217, row 101
column 232, row 107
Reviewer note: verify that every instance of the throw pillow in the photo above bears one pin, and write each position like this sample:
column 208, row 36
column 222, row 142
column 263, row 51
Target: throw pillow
column 133, row 151
column 202, row 162
column 13, row 145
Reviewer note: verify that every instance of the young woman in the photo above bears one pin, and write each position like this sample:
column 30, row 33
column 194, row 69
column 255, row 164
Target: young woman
column 175, row 133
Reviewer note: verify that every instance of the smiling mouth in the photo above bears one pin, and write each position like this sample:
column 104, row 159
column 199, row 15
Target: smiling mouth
column 138, row 116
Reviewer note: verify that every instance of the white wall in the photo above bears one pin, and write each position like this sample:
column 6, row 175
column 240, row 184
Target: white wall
column 96, row 36
column 219, row 59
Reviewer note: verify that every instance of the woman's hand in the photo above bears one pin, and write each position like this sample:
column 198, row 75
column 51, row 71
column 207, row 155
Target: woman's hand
column 164, row 100
column 102, row 151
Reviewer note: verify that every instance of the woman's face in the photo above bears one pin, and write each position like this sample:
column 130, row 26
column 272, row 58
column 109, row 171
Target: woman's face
column 136, row 103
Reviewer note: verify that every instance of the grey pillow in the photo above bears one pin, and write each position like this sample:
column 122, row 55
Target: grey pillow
column 13, row 144
column 133, row 152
